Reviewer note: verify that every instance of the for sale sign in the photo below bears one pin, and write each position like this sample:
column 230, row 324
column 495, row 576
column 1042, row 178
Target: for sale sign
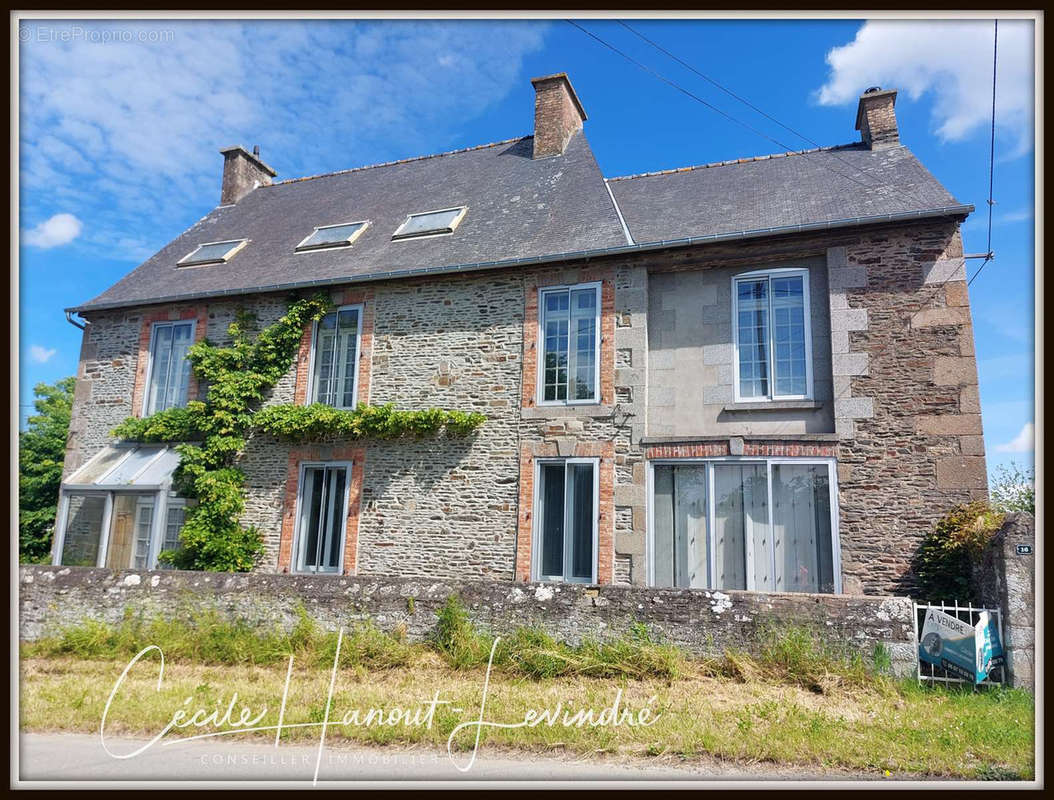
column 965, row 650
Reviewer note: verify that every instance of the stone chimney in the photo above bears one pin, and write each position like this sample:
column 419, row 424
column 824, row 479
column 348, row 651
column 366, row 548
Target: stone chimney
column 557, row 114
column 876, row 120
column 242, row 172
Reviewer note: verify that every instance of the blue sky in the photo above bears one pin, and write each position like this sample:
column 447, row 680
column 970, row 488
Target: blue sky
column 120, row 124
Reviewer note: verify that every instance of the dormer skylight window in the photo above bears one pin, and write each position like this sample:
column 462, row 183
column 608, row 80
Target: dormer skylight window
column 430, row 223
column 325, row 237
column 212, row 253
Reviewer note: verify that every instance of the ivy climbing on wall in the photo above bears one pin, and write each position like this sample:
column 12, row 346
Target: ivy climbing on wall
column 211, row 434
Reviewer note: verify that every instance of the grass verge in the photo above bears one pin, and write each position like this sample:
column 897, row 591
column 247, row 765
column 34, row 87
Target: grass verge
column 793, row 703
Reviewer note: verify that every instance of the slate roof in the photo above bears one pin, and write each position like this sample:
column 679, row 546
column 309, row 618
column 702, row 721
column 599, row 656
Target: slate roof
column 521, row 210
column 807, row 188
column 517, row 208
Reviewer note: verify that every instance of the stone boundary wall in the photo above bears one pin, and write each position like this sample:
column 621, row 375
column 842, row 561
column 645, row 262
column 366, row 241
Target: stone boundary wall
column 1006, row 578
column 702, row 622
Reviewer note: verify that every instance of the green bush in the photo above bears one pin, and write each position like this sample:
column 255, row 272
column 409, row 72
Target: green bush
column 944, row 562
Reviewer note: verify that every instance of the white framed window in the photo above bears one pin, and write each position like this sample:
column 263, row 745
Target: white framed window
column 212, row 253
column 430, row 223
column 175, row 516
column 335, row 358
column 321, row 517
column 326, row 237
column 151, row 541
column 565, row 520
column 569, row 344
column 772, row 335
column 739, row 523
column 118, row 530
column 168, row 373
column 118, row 511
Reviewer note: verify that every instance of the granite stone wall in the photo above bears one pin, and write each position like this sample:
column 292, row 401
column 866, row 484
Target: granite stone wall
column 907, row 422
column 1006, row 578
column 902, row 413
column 702, row 622
column 691, row 358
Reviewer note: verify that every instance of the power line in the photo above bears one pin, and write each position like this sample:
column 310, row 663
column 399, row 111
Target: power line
column 724, row 89
column 679, row 88
column 991, row 158
column 728, row 116
column 746, row 102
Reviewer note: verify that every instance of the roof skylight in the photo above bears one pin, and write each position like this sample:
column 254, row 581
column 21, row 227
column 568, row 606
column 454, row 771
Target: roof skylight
column 430, row 223
column 327, row 236
column 212, row 253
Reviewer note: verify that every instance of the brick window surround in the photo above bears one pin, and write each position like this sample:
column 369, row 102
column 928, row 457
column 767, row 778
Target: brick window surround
column 347, row 297
column 769, row 449
column 569, row 277
column 321, row 453
column 605, row 452
column 200, row 314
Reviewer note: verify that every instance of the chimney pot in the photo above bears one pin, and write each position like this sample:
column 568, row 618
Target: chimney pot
column 242, row 172
column 558, row 114
column 876, row 120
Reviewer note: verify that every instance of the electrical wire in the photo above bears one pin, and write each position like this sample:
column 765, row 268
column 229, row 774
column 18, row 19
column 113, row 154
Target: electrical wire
column 991, row 158
column 675, row 85
column 726, row 115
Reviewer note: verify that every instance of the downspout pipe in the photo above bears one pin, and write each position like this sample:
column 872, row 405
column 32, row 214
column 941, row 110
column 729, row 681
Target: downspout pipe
column 73, row 322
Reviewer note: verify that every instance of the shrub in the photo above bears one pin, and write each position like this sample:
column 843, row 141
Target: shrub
column 943, row 564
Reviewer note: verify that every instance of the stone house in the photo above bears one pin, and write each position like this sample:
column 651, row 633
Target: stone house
column 755, row 374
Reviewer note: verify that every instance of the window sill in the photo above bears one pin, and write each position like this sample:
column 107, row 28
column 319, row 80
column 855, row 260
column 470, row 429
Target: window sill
column 592, row 410
column 775, row 405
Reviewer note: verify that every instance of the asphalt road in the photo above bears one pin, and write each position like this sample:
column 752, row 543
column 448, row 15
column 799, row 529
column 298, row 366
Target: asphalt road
column 79, row 758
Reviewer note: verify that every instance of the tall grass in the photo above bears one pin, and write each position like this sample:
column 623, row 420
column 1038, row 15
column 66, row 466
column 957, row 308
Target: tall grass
column 536, row 654
column 790, row 655
column 799, row 656
column 205, row 637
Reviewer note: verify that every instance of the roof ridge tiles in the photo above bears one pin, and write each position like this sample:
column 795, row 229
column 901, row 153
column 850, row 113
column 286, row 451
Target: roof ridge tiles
column 734, row 161
column 398, row 161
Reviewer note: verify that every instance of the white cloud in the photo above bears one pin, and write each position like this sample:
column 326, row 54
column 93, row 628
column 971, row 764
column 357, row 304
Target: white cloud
column 127, row 132
column 953, row 60
column 1024, row 442
column 40, row 355
column 55, row 231
column 1010, row 217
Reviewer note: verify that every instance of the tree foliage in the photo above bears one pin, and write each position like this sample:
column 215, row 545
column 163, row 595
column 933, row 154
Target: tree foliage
column 1014, row 489
column 41, row 450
